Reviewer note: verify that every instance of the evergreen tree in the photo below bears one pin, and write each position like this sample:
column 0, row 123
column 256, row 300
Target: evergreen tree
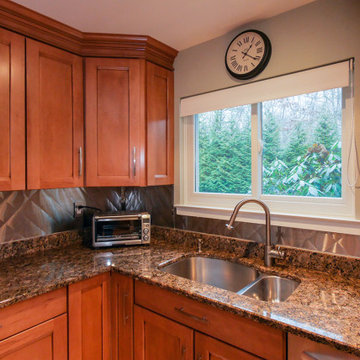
column 325, row 132
column 271, row 139
column 297, row 146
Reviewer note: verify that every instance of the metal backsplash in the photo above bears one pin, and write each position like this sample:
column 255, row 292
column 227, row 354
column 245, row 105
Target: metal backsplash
column 31, row 213
column 328, row 242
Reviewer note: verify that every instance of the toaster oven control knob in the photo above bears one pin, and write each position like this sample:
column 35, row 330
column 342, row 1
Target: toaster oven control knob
column 146, row 231
column 146, row 237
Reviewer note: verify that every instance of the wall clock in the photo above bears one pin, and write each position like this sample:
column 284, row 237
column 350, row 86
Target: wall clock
column 248, row 54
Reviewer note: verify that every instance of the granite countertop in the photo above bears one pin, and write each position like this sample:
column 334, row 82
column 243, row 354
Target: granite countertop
column 324, row 307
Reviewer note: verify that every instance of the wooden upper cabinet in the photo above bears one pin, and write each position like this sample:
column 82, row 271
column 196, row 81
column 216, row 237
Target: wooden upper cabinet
column 114, row 122
column 160, row 125
column 12, row 111
column 89, row 319
column 54, row 117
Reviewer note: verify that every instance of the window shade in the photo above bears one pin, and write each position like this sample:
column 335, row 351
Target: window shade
column 307, row 81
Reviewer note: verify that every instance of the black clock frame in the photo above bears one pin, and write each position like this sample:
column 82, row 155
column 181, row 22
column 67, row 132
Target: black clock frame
column 262, row 64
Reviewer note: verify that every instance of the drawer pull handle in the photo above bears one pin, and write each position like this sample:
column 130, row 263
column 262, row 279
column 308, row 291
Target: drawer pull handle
column 318, row 356
column 194, row 317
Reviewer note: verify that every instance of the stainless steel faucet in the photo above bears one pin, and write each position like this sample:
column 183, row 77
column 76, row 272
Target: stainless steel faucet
column 269, row 252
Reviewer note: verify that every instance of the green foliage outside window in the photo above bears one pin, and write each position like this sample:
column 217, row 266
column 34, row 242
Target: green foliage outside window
column 301, row 153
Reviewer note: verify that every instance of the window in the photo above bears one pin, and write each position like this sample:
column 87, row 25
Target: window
column 286, row 150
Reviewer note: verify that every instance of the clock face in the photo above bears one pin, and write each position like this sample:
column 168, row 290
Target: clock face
column 248, row 54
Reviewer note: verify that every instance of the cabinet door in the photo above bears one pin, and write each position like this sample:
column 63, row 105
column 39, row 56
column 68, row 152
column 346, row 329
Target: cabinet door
column 54, row 117
column 160, row 125
column 158, row 338
column 12, row 111
column 47, row 341
column 207, row 348
column 122, row 296
column 89, row 319
column 114, row 122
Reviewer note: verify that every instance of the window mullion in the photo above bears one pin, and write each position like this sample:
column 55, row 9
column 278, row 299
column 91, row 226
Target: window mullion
column 255, row 146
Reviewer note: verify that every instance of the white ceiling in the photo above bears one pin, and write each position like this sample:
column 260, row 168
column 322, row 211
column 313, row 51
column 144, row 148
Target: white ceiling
column 178, row 23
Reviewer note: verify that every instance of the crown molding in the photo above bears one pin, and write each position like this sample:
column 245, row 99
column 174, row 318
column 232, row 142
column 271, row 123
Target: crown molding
column 34, row 25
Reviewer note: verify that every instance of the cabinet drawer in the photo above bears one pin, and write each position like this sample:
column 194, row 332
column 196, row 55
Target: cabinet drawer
column 246, row 334
column 28, row 313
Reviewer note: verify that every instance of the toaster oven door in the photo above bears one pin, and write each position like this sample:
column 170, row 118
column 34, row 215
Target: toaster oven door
column 117, row 231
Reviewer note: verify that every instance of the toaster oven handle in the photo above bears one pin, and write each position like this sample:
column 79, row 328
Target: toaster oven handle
column 134, row 161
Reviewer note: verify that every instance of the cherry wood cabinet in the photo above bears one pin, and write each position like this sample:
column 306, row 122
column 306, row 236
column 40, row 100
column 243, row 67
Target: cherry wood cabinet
column 247, row 335
column 89, row 319
column 114, row 122
column 129, row 123
column 160, row 125
column 158, row 338
column 47, row 341
column 122, row 305
column 12, row 111
column 35, row 328
column 54, row 117
column 208, row 348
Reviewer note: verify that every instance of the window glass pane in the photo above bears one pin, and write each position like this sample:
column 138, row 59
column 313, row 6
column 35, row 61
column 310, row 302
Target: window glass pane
column 223, row 151
column 302, row 145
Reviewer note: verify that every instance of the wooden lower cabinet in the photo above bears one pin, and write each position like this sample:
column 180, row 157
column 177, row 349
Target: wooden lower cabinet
column 89, row 319
column 207, row 348
column 122, row 316
column 47, row 341
column 158, row 338
column 248, row 335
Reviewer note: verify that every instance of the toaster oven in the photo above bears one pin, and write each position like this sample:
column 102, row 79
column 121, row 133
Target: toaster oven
column 120, row 229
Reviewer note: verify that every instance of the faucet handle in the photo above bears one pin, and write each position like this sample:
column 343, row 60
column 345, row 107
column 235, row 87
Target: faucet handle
column 277, row 253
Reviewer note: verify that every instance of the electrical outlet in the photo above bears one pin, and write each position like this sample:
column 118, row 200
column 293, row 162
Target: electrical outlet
column 77, row 210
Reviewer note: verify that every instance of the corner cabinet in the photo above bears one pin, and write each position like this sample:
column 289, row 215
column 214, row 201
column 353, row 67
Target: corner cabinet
column 129, row 123
column 89, row 319
column 113, row 122
column 160, row 125
column 12, row 111
column 54, row 117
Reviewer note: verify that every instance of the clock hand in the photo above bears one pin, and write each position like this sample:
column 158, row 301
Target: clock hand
column 247, row 50
column 246, row 54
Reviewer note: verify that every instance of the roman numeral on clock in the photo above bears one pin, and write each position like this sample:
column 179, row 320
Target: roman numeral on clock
column 234, row 64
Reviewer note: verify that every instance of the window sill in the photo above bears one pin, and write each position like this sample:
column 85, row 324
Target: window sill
column 319, row 223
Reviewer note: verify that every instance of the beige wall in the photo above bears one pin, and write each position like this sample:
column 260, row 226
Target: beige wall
column 319, row 33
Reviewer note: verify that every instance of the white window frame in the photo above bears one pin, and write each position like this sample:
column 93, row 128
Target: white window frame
column 328, row 214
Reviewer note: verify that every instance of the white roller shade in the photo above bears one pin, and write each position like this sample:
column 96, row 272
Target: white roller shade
column 307, row 81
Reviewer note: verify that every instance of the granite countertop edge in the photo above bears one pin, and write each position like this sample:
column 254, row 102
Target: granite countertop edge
column 151, row 275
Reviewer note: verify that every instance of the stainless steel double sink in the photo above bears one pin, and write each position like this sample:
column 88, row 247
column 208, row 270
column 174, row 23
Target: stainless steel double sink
column 238, row 278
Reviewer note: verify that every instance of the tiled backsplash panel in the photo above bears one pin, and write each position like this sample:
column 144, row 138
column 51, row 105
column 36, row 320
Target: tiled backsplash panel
column 333, row 243
column 31, row 213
